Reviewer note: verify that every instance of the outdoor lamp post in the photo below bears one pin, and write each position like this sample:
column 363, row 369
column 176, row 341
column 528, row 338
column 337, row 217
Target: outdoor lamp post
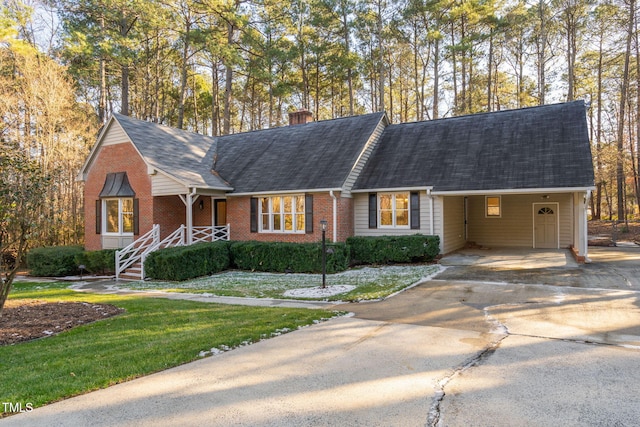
column 323, row 223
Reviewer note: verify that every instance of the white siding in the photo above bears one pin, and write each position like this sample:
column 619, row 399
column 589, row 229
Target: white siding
column 115, row 135
column 515, row 227
column 361, row 218
column 162, row 185
column 452, row 236
column 364, row 156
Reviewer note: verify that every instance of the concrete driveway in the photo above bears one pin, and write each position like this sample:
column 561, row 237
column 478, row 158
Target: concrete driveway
column 483, row 344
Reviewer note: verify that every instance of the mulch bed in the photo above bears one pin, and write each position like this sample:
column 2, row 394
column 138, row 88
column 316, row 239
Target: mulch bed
column 24, row 320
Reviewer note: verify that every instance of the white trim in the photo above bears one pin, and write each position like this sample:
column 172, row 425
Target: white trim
column 395, row 189
column 279, row 193
column 557, row 214
column 513, row 191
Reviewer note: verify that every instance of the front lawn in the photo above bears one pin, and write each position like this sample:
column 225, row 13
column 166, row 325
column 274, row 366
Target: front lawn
column 152, row 334
column 370, row 282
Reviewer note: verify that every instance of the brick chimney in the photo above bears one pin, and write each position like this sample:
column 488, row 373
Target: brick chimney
column 300, row 117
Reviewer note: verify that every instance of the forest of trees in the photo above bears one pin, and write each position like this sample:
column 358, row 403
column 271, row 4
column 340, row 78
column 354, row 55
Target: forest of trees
column 226, row 66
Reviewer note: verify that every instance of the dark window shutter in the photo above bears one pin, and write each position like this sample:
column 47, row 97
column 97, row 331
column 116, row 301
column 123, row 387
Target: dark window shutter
column 414, row 205
column 308, row 213
column 254, row 215
column 373, row 210
column 136, row 216
column 98, row 216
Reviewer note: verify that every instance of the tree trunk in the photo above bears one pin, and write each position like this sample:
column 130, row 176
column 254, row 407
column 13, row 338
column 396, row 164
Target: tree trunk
column 381, row 73
column 620, row 178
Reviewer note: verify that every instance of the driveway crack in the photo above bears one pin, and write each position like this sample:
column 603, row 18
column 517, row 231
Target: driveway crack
column 501, row 332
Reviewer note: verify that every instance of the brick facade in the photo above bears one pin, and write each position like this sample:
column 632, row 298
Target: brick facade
column 239, row 216
column 116, row 158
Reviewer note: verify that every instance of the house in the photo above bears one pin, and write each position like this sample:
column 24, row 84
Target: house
column 516, row 178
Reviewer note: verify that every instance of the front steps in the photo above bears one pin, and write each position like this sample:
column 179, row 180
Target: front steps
column 132, row 273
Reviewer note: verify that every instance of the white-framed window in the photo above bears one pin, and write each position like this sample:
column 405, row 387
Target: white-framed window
column 282, row 214
column 118, row 216
column 393, row 210
column 493, row 206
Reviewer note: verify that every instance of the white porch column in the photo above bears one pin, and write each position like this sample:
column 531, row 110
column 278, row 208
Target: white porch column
column 190, row 198
column 580, row 235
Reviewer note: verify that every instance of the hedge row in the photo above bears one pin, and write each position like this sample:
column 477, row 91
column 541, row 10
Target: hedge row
column 187, row 262
column 59, row 261
column 202, row 259
column 98, row 262
column 288, row 257
column 54, row 261
column 392, row 249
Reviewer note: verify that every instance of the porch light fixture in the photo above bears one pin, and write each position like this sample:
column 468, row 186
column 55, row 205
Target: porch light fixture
column 323, row 223
column 201, row 205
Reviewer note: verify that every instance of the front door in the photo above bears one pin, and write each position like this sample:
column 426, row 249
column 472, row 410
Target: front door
column 220, row 212
column 545, row 225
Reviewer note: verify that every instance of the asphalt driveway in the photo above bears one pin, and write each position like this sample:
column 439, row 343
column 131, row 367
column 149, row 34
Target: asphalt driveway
column 491, row 341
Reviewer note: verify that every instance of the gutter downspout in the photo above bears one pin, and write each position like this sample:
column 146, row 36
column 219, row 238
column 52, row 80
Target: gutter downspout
column 335, row 216
column 431, row 215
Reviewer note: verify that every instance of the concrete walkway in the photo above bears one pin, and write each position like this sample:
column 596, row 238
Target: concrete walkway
column 450, row 352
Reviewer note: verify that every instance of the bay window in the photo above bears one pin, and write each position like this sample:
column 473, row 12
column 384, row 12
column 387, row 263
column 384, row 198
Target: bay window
column 118, row 215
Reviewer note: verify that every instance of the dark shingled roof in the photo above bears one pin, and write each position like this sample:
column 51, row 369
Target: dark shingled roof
column 184, row 155
column 538, row 147
column 316, row 155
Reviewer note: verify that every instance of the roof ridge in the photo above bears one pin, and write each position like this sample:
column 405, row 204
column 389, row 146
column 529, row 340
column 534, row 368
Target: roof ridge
column 492, row 113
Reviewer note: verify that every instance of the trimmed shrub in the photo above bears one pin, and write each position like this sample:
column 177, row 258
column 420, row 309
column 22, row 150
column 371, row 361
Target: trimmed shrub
column 281, row 257
column 391, row 249
column 187, row 262
column 53, row 261
column 98, row 262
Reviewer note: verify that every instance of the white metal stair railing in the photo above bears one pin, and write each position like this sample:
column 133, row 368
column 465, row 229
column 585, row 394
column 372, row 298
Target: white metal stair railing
column 133, row 252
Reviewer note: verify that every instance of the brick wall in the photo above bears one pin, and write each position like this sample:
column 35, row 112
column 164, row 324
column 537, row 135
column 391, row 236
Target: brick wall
column 169, row 213
column 239, row 212
column 116, row 158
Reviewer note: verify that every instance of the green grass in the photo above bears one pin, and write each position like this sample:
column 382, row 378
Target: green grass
column 370, row 282
column 153, row 334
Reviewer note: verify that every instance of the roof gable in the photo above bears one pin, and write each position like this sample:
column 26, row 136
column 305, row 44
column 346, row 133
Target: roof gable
column 538, row 147
column 312, row 156
column 185, row 156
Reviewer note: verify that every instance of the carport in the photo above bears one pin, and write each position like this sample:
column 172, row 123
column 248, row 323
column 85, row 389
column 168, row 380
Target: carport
column 535, row 219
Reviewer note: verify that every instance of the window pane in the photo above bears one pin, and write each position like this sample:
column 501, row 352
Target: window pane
column 402, row 217
column 275, row 205
column 288, row 222
column 386, row 217
column 288, row 204
column 493, row 206
column 402, row 201
column 265, row 222
column 300, row 222
column 385, row 201
column 111, row 212
column 264, row 205
column 127, row 215
column 277, row 222
column 300, row 204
